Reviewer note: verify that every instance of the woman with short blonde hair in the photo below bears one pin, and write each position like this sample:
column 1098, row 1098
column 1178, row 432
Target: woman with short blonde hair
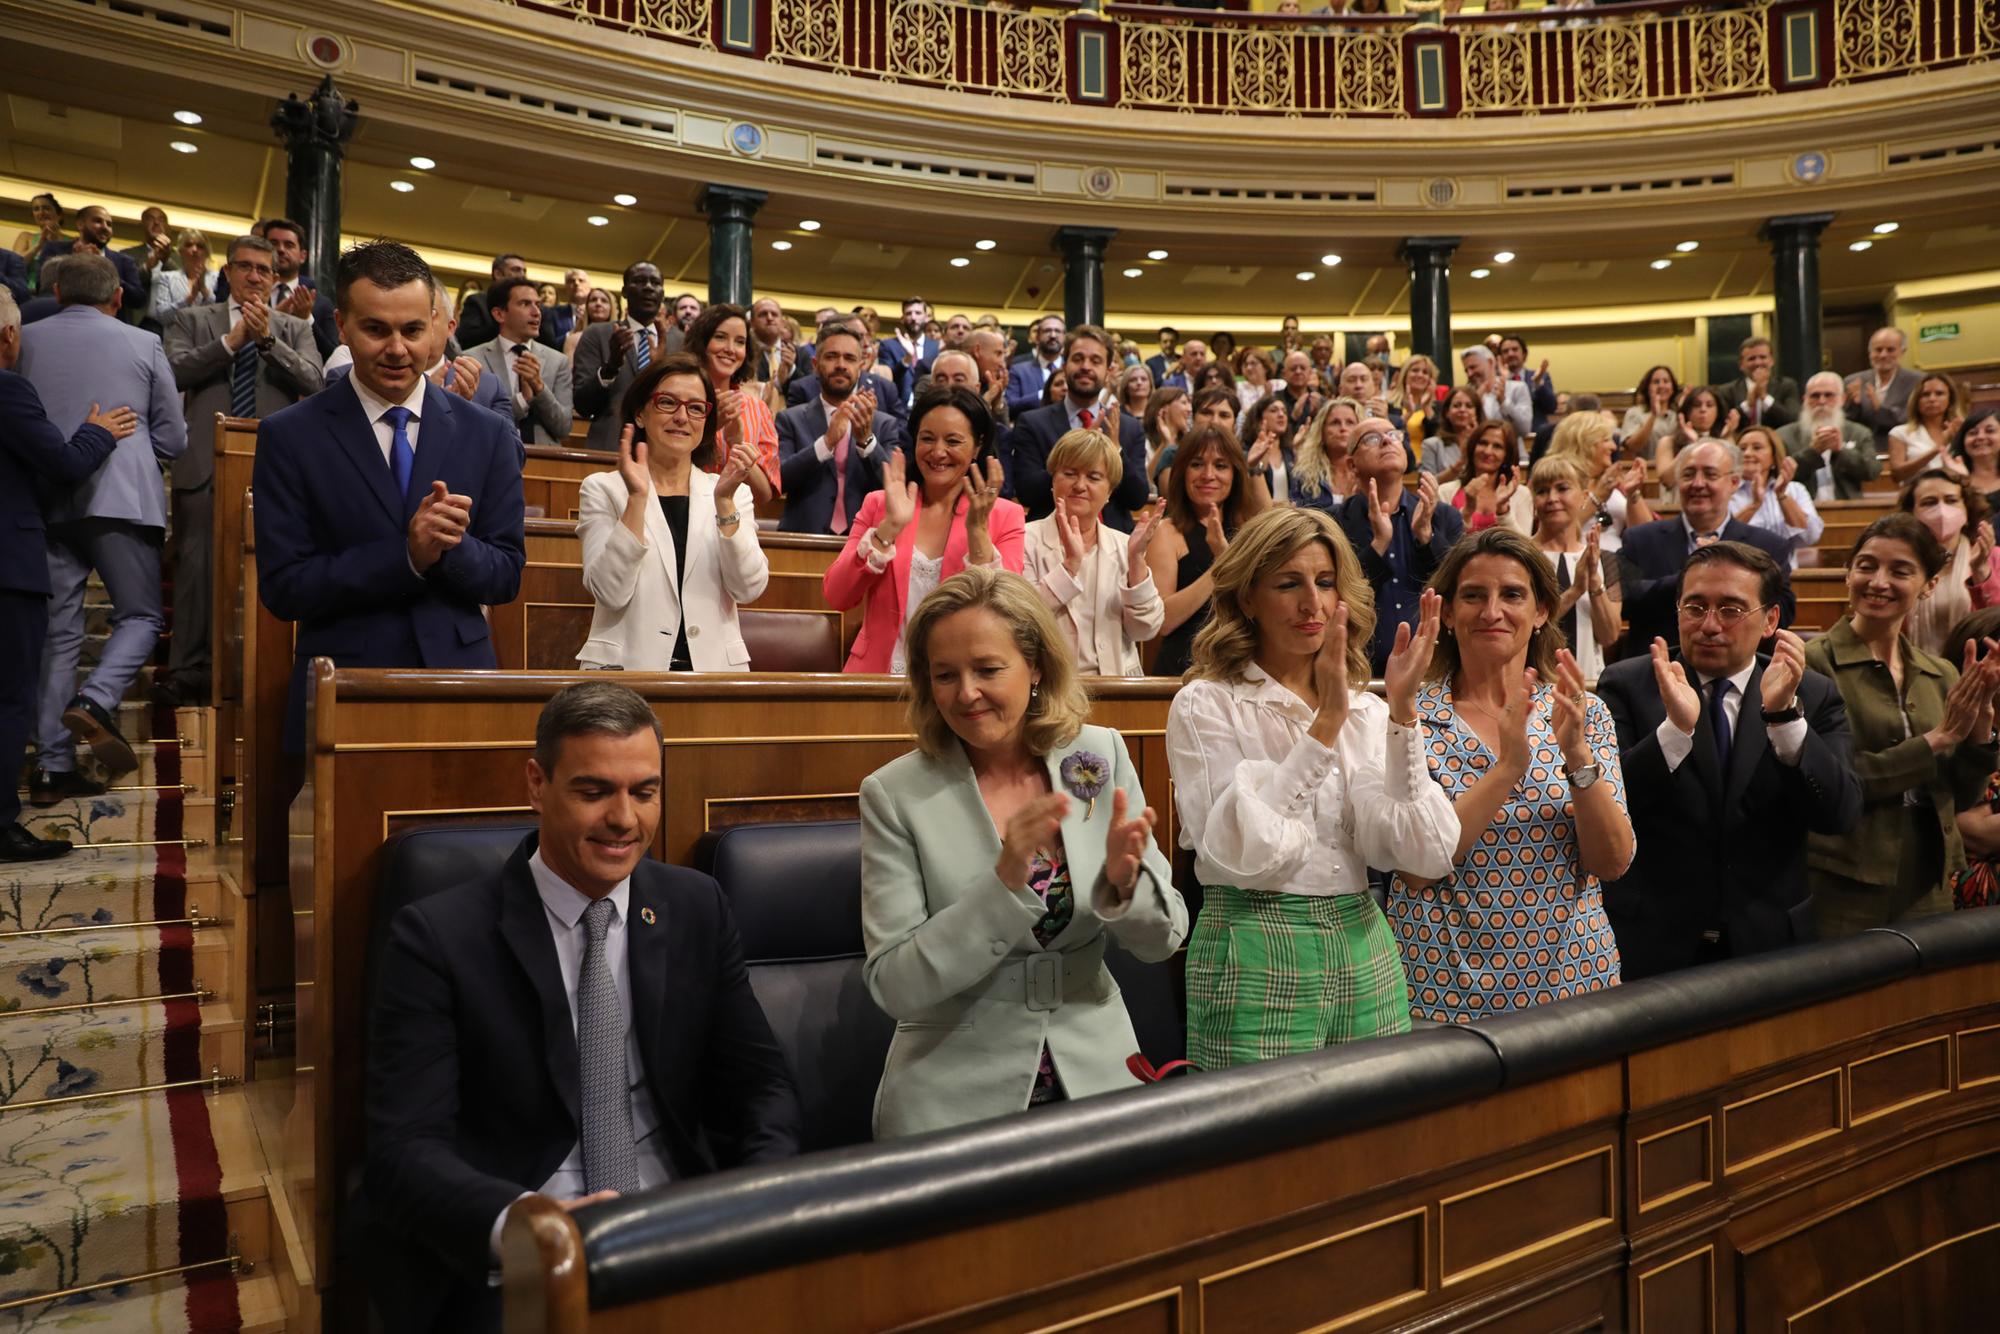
column 186, row 285
column 1413, row 402
column 1291, row 780
column 1101, row 590
column 996, row 979
column 1615, row 488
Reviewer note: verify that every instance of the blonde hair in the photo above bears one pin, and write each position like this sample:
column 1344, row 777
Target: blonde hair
column 1084, row 448
column 1311, row 468
column 1228, row 643
column 1551, row 466
column 1058, row 708
column 1576, row 438
column 1400, row 396
column 1500, row 540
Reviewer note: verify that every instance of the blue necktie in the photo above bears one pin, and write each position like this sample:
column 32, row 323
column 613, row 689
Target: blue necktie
column 642, row 351
column 243, row 381
column 401, row 456
column 1718, row 720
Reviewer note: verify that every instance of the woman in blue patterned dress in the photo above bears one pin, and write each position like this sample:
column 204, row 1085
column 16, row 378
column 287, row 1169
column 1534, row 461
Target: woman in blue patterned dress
column 1530, row 761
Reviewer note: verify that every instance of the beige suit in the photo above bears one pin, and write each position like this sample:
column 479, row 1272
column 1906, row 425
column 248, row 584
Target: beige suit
column 1126, row 615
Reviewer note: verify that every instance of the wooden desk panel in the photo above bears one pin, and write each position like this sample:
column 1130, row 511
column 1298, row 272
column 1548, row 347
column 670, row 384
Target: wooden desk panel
column 553, row 477
column 235, row 445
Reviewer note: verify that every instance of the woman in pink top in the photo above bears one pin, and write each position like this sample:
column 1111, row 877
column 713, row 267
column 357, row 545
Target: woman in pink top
column 720, row 340
column 911, row 536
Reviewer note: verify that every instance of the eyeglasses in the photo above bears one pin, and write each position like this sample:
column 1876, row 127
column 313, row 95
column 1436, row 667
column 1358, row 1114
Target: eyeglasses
column 694, row 409
column 1729, row 614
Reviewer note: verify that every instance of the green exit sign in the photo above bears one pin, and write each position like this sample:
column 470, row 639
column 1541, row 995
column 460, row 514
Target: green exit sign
column 1936, row 333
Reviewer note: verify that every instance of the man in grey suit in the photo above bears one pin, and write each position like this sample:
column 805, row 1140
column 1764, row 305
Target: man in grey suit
column 240, row 358
column 536, row 376
column 610, row 355
column 79, row 358
column 1879, row 397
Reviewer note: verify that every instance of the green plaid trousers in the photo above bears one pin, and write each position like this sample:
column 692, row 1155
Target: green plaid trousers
column 1271, row 974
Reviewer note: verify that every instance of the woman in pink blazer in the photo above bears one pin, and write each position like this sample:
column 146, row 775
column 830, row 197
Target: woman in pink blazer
column 912, row 535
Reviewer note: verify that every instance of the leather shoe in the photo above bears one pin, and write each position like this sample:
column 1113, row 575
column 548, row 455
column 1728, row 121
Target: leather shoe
column 47, row 787
column 18, row 845
column 89, row 723
column 186, row 691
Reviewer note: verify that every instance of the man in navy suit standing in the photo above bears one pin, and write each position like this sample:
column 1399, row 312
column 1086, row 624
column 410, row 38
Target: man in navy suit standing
column 909, row 352
column 831, row 449
column 1029, row 376
column 1650, row 561
column 1086, row 364
column 388, row 510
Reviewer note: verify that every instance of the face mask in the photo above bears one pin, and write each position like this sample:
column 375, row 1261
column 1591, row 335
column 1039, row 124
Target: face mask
column 1946, row 522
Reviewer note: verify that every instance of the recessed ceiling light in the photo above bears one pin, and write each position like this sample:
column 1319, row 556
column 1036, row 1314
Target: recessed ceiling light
column 422, row 163
column 1884, row 228
column 183, row 146
column 1663, row 264
column 1482, row 273
column 1329, row 260
column 808, row 225
column 1134, row 273
column 781, row 245
column 1861, row 245
column 984, row 245
column 625, row 201
column 1503, row 257
column 401, row 187
column 1688, row 247
column 1306, row 275
column 188, row 117
column 959, row 261
column 598, row 220
column 1156, row 254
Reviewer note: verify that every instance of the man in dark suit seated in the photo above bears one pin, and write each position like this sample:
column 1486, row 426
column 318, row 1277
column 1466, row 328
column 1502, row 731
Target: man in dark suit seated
column 388, row 510
column 578, row 1025
column 1087, row 356
column 1730, row 759
column 1759, row 396
column 1650, row 562
column 831, row 449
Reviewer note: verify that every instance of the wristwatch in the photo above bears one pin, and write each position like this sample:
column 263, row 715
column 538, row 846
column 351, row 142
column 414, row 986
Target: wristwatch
column 1582, row 779
column 1791, row 714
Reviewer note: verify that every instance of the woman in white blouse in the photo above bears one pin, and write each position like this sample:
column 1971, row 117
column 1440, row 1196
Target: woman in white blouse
column 1566, row 530
column 1291, row 780
column 669, row 550
column 187, row 286
column 1768, row 497
column 1937, row 409
column 1095, row 579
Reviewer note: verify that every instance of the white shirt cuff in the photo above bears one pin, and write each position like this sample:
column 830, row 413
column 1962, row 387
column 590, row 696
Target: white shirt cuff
column 1788, row 741
column 1675, row 745
column 822, row 451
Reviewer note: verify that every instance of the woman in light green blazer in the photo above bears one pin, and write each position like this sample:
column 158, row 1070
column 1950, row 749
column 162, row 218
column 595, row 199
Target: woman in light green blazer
column 995, row 860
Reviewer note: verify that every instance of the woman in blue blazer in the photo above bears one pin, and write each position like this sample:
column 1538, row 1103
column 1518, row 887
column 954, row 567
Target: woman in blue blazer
column 996, row 858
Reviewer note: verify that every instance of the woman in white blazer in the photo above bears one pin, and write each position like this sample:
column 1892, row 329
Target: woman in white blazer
column 997, row 860
column 669, row 550
column 1095, row 579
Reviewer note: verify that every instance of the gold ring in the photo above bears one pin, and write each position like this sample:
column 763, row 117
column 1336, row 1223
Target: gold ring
column 1579, row 697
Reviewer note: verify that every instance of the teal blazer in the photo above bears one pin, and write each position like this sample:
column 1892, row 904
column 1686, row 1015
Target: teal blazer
column 952, row 955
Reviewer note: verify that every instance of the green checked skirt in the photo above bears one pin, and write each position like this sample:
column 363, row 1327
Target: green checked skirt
column 1272, row 974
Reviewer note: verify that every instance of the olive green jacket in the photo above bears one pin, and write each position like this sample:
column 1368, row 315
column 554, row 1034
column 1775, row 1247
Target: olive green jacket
column 1889, row 763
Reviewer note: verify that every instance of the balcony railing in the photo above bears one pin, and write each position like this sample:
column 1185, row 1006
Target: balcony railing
column 1155, row 59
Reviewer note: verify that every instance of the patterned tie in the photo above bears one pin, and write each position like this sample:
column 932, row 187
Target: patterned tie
column 610, row 1161
column 243, row 381
column 1718, row 720
column 282, row 291
column 401, row 456
column 642, row 351
column 527, row 422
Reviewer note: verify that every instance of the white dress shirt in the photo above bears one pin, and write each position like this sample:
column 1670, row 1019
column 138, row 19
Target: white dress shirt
column 1265, row 806
column 378, row 409
column 563, row 907
column 1787, row 739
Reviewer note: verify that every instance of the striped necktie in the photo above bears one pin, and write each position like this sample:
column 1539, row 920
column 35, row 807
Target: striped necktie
column 243, row 381
column 642, row 351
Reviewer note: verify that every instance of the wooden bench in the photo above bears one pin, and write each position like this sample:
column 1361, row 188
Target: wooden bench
column 392, row 749
column 553, row 477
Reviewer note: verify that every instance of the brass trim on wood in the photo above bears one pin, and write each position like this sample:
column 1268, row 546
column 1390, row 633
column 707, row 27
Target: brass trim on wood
column 233, row 1262
column 193, row 922
column 387, row 816
column 1707, row 1253
column 1150, row 1299
column 203, row 996
column 1950, row 1084
column 1958, row 1058
column 1421, row 1213
column 1793, row 1319
column 1707, row 1122
column 214, row 1083
column 1837, row 1075
column 1609, row 1152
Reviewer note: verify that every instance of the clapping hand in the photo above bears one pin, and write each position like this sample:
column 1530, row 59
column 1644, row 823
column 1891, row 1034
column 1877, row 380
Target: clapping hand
column 1982, row 552
column 1379, row 524
column 1570, row 705
column 1410, row 658
column 1125, row 845
column 899, row 500
column 1426, row 510
column 1731, row 422
column 1330, row 678
column 1211, row 522
column 981, row 490
column 438, row 525
column 632, row 469
column 299, row 303
column 1145, row 527
column 529, row 372
column 1968, row 708
column 736, row 468
column 1030, row 830
column 1069, row 531
column 621, row 341
column 120, row 421
column 729, row 407
column 1788, row 468
column 1788, row 667
column 1677, row 693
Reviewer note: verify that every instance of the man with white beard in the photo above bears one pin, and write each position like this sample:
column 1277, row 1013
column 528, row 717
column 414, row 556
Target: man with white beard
column 1836, row 457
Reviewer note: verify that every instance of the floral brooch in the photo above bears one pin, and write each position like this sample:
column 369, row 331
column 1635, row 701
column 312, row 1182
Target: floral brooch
column 1084, row 775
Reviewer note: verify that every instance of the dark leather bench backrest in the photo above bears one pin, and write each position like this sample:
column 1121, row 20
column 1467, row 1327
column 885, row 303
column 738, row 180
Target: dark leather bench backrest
column 791, row 641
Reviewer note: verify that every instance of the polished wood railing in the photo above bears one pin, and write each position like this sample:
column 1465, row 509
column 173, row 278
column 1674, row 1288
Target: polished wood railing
column 1170, row 59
